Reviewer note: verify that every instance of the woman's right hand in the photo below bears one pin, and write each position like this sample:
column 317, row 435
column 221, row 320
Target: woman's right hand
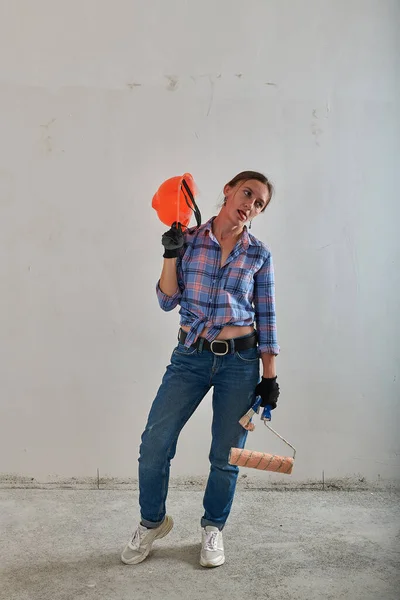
column 268, row 389
column 172, row 240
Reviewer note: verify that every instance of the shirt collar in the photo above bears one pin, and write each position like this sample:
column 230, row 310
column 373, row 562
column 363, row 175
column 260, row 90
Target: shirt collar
column 245, row 239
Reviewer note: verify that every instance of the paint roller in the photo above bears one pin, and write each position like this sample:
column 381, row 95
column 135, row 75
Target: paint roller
column 261, row 460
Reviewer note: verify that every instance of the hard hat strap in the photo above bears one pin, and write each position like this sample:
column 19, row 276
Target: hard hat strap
column 191, row 202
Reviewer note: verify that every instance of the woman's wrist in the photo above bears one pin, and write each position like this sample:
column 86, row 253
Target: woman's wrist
column 269, row 366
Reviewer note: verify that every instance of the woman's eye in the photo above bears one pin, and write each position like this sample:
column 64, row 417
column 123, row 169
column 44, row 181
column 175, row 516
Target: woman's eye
column 247, row 193
column 259, row 204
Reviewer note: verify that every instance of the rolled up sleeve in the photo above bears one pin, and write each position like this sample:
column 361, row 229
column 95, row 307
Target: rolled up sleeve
column 167, row 302
column 264, row 305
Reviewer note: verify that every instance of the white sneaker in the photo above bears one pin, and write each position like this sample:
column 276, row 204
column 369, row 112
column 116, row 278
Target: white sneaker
column 212, row 547
column 142, row 540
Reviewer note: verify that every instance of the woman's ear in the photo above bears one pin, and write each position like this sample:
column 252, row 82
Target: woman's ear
column 227, row 189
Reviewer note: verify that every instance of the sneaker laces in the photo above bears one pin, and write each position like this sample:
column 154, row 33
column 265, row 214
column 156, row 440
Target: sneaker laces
column 210, row 542
column 138, row 537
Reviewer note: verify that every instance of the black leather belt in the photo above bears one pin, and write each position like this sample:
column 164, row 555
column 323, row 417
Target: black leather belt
column 222, row 347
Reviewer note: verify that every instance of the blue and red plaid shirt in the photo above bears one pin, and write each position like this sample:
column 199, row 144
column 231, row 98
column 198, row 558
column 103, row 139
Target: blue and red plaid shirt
column 242, row 292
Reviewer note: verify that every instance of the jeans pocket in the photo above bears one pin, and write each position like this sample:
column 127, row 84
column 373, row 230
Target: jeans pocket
column 184, row 351
column 251, row 355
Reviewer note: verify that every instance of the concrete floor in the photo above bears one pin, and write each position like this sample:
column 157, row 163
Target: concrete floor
column 65, row 544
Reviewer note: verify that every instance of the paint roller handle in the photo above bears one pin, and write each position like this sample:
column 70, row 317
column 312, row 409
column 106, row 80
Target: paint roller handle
column 245, row 421
column 266, row 413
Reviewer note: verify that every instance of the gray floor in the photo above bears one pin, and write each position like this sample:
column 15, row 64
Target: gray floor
column 65, row 544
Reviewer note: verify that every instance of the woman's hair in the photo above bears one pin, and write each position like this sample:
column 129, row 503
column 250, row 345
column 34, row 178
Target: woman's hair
column 246, row 175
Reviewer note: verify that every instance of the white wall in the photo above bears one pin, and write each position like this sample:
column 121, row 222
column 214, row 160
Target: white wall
column 100, row 102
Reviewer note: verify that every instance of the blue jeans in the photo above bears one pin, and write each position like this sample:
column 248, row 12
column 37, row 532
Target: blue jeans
column 188, row 378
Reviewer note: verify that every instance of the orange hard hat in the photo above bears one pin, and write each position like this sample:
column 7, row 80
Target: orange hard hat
column 174, row 200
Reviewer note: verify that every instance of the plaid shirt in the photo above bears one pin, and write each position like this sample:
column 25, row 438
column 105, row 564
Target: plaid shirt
column 239, row 293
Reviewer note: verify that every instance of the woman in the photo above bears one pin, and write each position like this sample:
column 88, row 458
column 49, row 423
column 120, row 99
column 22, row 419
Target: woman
column 222, row 277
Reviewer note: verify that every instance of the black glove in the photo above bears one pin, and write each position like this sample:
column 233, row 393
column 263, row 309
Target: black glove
column 268, row 389
column 172, row 240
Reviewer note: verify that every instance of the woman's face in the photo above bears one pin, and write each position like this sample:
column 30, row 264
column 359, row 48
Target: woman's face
column 246, row 200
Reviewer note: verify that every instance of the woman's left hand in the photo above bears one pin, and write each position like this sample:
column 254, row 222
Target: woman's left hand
column 268, row 389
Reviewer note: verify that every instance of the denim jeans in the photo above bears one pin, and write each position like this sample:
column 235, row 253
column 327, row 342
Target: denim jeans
column 188, row 378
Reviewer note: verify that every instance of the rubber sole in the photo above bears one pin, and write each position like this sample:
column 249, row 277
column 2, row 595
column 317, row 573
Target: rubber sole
column 207, row 565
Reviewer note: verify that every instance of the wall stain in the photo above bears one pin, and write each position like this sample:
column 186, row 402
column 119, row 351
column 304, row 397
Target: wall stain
column 316, row 125
column 212, row 83
column 173, row 83
column 47, row 138
column 323, row 247
column 47, row 125
column 315, row 129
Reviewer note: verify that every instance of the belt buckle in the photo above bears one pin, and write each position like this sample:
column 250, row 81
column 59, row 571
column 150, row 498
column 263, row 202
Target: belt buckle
column 220, row 342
